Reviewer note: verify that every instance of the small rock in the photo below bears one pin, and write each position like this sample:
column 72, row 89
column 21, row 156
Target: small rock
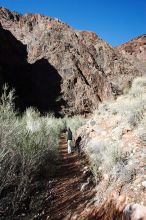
column 85, row 185
column 106, row 176
column 23, row 214
column 144, row 184
column 103, row 133
column 99, row 168
column 130, row 162
column 92, row 123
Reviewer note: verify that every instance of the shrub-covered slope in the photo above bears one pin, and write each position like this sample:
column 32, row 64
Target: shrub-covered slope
column 115, row 143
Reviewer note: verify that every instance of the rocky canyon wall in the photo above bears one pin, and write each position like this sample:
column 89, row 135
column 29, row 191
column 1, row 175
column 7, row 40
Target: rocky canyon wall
column 61, row 68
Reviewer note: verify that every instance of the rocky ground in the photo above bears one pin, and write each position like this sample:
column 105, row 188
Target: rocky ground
column 133, row 174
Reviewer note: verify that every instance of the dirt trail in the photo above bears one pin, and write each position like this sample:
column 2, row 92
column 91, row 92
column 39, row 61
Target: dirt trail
column 65, row 200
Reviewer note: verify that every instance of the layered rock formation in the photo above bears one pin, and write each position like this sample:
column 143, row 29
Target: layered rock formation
column 88, row 69
column 135, row 49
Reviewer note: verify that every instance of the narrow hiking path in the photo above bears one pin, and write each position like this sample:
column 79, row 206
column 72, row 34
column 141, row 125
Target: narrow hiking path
column 65, row 200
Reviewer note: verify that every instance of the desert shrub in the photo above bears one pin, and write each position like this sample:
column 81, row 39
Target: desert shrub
column 130, row 106
column 140, row 132
column 97, row 174
column 139, row 82
column 125, row 174
column 143, row 137
column 112, row 162
column 103, row 157
column 135, row 117
column 28, row 145
column 102, row 109
column 126, row 90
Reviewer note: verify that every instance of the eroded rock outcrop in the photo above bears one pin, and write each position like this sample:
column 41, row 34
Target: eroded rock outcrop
column 90, row 69
column 135, row 50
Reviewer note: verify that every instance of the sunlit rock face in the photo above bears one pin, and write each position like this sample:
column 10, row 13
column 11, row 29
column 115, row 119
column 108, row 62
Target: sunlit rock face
column 80, row 69
column 135, row 49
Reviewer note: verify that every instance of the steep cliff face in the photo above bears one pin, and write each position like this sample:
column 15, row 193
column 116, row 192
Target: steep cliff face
column 12, row 53
column 36, row 84
column 135, row 50
column 90, row 69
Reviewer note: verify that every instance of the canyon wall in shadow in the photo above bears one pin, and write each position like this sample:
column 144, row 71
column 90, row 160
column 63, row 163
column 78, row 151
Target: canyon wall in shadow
column 36, row 84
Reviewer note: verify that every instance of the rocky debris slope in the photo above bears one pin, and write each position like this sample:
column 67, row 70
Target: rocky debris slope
column 114, row 140
column 91, row 70
column 116, row 207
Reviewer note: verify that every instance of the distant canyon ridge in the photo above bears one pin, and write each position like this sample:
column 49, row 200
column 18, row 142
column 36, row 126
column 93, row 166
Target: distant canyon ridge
column 56, row 68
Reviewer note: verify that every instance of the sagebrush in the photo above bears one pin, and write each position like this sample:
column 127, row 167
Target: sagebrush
column 28, row 144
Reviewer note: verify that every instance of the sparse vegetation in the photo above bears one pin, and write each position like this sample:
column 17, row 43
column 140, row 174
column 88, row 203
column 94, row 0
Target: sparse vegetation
column 130, row 106
column 114, row 156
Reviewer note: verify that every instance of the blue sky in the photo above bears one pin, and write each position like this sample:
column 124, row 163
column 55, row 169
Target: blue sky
column 116, row 21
